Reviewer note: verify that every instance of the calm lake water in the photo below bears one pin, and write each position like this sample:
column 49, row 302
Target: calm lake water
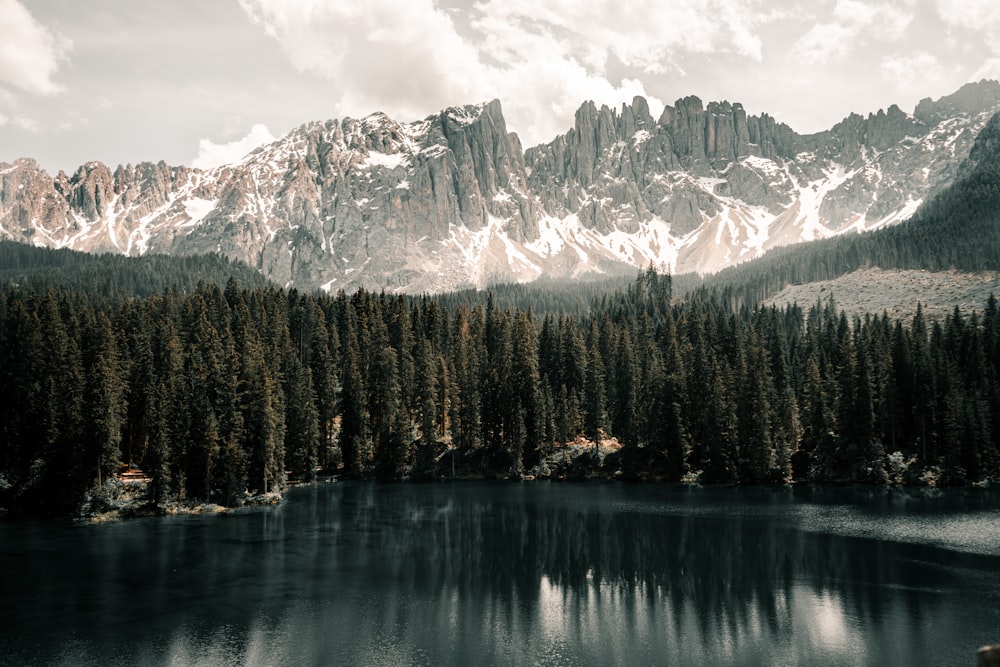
column 516, row 573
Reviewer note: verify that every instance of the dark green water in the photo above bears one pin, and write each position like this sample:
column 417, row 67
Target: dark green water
column 533, row 573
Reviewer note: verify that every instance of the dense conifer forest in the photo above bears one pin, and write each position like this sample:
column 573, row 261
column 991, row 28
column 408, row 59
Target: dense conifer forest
column 109, row 276
column 219, row 391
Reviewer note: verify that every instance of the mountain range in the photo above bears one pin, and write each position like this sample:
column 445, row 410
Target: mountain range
column 454, row 201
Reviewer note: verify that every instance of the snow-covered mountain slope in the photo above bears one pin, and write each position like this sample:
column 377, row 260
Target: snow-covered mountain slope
column 453, row 200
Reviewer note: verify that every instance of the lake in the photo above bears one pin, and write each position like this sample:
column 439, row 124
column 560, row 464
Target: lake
column 516, row 573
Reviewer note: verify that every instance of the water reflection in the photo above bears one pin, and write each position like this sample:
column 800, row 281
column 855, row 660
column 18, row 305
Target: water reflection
column 512, row 574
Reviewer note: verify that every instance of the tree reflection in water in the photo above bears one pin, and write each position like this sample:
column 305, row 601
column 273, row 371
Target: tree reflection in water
column 520, row 573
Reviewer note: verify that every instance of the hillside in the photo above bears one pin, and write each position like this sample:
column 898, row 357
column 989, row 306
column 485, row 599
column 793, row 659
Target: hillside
column 896, row 292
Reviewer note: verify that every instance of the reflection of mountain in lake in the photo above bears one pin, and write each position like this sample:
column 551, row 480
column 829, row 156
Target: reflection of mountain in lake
column 518, row 573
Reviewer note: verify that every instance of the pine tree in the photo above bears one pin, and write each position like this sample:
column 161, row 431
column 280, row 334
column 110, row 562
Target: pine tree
column 594, row 401
column 106, row 398
column 526, row 392
column 668, row 432
column 205, row 373
column 427, row 392
column 497, row 395
column 168, row 416
column 302, row 432
column 263, row 410
column 391, row 445
column 626, row 391
column 353, row 438
column 466, row 406
column 816, row 459
column 923, row 390
column 138, row 349
column 755, row 413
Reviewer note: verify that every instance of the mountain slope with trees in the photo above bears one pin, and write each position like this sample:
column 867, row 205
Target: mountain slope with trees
column 957, row 229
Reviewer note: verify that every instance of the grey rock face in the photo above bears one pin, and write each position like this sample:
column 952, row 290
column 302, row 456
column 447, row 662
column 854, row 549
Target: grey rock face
column 453, row 200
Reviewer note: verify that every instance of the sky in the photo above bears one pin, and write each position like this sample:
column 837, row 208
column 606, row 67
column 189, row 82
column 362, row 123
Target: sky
column 203, row 82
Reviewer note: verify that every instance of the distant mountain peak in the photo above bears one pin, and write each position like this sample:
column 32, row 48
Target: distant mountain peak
column 971, row 98
column 452, row 200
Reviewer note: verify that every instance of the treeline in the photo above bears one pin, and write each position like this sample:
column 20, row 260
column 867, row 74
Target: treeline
column 114, row 276
column 218, row 392
column 571, row 297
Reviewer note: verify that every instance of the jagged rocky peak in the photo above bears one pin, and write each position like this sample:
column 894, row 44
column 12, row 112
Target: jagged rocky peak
column 28, row 199
column 467, row 114
column 453, row 199
column 377, row 133
column 889, row 127
column 91, row 190
column 688, row 135
column 485, row 162
column 604, row 126
column 13, row 176
column 878, row 131
column 723, row 131
column 972, row 98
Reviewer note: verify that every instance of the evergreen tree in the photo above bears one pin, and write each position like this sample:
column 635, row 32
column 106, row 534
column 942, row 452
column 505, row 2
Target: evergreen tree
column 594, row 396
column 390, row 442
column 353, row 438
column 168, row 417
column 755, row 414
column 106, row 399
column 527, row 444
column 626, row 390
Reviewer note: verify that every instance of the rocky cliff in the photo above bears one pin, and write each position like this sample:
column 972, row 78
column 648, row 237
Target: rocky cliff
column 453, row 200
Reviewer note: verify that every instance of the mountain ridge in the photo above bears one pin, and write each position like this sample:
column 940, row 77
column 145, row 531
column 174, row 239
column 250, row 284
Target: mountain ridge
column 453, row 200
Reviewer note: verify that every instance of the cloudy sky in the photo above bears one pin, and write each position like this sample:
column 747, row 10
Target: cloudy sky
column 203, row 82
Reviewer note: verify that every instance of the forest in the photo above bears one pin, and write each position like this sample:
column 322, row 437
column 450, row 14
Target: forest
column 220, row 385
column 223, row 390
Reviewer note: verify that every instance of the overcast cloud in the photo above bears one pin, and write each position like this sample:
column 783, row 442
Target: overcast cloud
column 202, row 83
column 30, row 53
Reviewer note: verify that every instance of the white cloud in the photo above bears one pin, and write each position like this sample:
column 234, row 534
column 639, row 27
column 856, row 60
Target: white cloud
column 918, row 70
column 30, row 53
column 977, row 15
column 989, row 70
column 975, row 23
column 233, row 126
column 403, row 58
column 645, row 34
column 3, row 120
column 74, row 120
column 825, row 42
column 854, row 22
column 25, row 123
column 541, row 57
column 211, row 154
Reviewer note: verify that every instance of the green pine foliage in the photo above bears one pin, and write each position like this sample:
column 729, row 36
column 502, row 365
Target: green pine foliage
column 218, row 393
